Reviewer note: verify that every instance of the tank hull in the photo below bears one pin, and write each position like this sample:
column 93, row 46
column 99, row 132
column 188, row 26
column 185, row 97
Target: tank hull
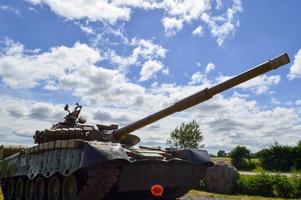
column 94, row 162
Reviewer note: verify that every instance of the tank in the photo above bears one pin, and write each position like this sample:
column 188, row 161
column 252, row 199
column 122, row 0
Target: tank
column 73, row 160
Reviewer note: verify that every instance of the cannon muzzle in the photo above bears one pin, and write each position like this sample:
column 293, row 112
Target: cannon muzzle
column 203, row 95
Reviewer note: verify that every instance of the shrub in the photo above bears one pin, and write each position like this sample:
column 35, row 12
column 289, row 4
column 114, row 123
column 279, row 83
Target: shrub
column 238, row 155
column 256, row 185
column 296, row 181
column 270, row 185
column 278, row 157
column 248, row 165
column 283, row 187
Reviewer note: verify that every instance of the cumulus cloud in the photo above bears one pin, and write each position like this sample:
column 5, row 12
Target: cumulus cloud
column 198, row 31
column 223, row 25
column 176, row 15
column 196, row 78
column 144, row 50
column 65, row 68
column 258, row 85
column 20, row 68
column 149, row 69
column 298, row 102
column 209, row 68
column 295, row 70
column 94, row 10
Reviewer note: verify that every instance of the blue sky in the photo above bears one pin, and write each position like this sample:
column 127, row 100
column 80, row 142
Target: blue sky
column 126, row 59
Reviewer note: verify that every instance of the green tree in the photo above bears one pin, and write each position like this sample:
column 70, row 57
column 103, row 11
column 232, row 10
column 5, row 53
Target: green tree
column 186, row 136
column 238, row 156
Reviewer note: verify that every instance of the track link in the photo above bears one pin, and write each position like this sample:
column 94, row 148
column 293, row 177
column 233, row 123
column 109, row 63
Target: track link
column 99, row 183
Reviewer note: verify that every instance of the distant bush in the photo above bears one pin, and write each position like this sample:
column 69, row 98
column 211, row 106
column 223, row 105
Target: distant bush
column 270, row 186
column 248, row 165
column 222, row 153
column 239, row 155
column 256, row 185
column 281, row 157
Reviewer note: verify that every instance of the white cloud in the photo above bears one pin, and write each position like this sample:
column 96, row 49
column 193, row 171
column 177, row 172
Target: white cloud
column 295, row 70
column 172, row 25
column 65, row 68
column 209, row 68
column 10, row 9
column 144, row 50
column 258, row 85
column 196, row 78
column 275, row 101
column 261, row 84
column 198, row 31
column 94, row 10
column 223, row 25
column 219, row 4
column 149, row 69
column 20, row 68
column 165, row 71
column 298, row 102
column 176, row 15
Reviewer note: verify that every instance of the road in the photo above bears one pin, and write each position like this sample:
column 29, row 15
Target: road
column 269, row 173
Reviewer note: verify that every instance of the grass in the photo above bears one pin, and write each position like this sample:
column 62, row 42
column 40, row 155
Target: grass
column 228, row 161
column 223, row 159
column 195, row 193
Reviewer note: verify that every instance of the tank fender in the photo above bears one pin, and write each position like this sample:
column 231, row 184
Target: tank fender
column 99, row 152
column 195, row 156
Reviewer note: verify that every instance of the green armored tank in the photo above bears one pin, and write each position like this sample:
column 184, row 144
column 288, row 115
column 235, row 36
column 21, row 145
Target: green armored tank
column 72, row 160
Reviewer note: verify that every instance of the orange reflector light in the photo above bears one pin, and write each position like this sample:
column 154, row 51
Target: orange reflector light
column 157, row 190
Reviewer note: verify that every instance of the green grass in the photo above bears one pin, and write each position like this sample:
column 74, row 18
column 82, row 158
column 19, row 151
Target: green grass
column 223, row 159
column 195, row 193
column 228, row 161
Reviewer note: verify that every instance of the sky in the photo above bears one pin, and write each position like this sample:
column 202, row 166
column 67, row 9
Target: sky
column 126, row 59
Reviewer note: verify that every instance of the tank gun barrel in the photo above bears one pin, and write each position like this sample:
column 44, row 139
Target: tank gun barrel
column 203, row 95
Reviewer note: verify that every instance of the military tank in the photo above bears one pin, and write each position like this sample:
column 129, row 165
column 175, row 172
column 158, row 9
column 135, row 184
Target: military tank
column 72, row 160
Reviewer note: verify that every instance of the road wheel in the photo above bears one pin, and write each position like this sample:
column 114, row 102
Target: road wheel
column 10, row 189
column 19, row 189
column 39, row 188
column 28, row 189
column 69, row 188
column 54, row 188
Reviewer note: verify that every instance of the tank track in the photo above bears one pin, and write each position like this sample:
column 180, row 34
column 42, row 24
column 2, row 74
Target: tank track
column 99, row 183
column 95, row 183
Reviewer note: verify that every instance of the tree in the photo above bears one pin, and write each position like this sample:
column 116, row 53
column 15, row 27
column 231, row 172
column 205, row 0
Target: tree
column 222, row 153
column 186, row 136
column 280, row 157
column 238, row 155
